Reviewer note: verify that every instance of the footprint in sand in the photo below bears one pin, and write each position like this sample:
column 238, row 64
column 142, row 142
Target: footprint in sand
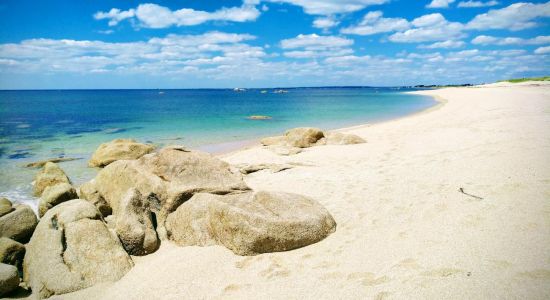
column 536, row 274
column 443, row 272
column 368, row 278
column 235, row 287
column 275, row 269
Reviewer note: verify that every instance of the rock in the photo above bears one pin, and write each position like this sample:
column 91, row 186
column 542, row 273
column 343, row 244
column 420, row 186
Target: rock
column 275, row 168
column 119, row 149
column 5, row 206
column 19, row 224
column 250, row 223
column 11, row 252
column 50, row 175
column 285, row 150
column 40, row 164
column 303, row 137
column 89, row 192
column 9, row 279
column 54, row 195
column 72, row 249
column 167, row 179
column 135, row 224
column 258, row 117
column 274, row 140
column 338, row 138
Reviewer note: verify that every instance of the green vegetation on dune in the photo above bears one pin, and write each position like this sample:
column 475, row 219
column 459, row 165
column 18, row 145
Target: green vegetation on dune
column 516, row 80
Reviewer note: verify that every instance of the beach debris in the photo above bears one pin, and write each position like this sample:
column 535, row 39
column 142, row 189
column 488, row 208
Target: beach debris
column 54, row 195
column 274, row 168
column 51, row 174
column 12, row 252
column 118, row 149
column 135, row 224
column 250, row 223
column 42, row 163
column 166, row 178
column 72, row 249
column 19, row 224
column 88, row 192
column 467, row 194
column 259, row 117
column 9, row 279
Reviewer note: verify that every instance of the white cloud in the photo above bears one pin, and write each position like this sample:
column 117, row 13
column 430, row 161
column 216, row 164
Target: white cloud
column 543, row 50
column 374, row 23
column 472, row 3
column 313, row 45
column 156, row 16
column 515, row 17
column 440, row 3
column 115, row 15
column 331, row 7
column 315, row 42
column 427, row 28
column 445, row 45
column 491, row 40
column 325, row 22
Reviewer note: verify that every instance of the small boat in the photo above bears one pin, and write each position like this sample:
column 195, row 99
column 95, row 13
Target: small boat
column 264, row 92
column 161, row 93
column 280, row 92
column 239, row 90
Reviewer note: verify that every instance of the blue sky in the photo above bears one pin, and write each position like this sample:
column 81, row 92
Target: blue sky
column 253, row 43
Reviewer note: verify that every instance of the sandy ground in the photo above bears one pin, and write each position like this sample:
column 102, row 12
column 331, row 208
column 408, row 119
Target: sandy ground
column 404, row 230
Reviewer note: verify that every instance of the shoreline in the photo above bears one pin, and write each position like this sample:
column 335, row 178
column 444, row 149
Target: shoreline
column 404, row 229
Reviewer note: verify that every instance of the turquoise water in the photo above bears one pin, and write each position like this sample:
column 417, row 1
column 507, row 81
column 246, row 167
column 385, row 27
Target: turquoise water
column 36, row 125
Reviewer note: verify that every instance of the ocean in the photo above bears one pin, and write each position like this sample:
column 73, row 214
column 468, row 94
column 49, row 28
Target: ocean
column 37, row 125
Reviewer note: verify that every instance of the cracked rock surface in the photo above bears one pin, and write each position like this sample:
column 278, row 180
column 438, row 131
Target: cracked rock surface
column 72, row 249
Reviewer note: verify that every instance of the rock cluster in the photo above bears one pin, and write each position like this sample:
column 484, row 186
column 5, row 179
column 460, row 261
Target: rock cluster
column 188, row 197
column 117, row 150
column 304, row 137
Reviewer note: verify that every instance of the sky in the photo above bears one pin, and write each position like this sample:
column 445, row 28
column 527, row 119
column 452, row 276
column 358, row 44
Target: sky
column 69, row 44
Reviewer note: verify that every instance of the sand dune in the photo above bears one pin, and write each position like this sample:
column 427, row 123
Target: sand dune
column 404, row 228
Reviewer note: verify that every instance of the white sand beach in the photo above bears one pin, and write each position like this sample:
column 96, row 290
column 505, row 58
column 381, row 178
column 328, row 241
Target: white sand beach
column 404, row 230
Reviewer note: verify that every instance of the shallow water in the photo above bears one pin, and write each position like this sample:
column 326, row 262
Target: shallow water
column 36, row 125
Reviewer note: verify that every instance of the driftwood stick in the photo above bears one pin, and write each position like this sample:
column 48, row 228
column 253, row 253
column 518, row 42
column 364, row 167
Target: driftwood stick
column 474, row 196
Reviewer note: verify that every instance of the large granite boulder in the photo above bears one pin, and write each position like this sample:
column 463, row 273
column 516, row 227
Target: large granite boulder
column 5, row 206
column 50, row 175
column 303, row 137
column 9, row 279
column 167, row 179
column 118, row 149
column 274, row 140
column 54, row 195
column 338, row 138
column 250, row 223
column 72, row 249
column 19, row 224
column 89, row 192
column 135, row 225
column 11, row 252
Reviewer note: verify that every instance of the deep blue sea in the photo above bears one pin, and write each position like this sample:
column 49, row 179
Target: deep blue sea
column 36, row 125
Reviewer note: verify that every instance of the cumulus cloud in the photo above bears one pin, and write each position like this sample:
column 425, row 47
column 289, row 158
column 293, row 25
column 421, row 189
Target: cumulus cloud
column 491, row 40
column 471, row 3
column 543, row 50
column 313, row 45
column 444, row 45
column 331, row 7
column 517, row 16
column 440, row 3
column 156, row 16
column 373, row 23
column 325, row 22
column 427, row 28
